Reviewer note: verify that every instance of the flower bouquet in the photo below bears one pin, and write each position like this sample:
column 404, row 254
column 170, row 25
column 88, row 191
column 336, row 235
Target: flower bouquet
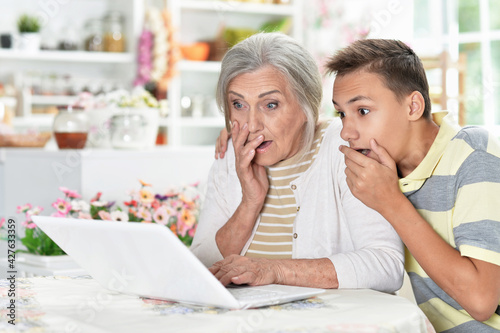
column 176, row 209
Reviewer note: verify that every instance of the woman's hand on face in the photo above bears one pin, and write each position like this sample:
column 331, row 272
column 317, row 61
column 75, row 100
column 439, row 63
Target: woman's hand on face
column 244, row 270
column 253, row 177
column 221, row 143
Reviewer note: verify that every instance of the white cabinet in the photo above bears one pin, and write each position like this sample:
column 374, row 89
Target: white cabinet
column 200, row 20
column 84, row 68
column 193, row 20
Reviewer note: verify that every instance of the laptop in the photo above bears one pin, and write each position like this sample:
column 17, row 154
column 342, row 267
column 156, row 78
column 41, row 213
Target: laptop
column 148, row 260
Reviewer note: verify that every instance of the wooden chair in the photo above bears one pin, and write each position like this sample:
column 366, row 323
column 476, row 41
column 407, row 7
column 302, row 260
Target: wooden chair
column 439, row 94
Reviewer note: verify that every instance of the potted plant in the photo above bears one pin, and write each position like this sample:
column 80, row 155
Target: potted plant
column 29, row 30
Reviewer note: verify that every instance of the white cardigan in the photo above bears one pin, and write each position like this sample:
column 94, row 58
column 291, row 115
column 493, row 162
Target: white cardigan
column 364, row 248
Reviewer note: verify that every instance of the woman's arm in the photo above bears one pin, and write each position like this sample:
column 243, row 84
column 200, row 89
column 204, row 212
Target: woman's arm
column 224, row 227
column 254, row 185
column 317, row 273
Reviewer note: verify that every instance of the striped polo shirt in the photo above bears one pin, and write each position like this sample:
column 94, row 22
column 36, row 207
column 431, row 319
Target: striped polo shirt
column 274, row 235
column 456, row 189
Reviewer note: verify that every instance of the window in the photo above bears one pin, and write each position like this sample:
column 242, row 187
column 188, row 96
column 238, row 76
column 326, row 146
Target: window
column 472, row 28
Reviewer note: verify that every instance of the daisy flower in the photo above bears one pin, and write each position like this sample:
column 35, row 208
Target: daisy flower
column 146, row 197
column 118, row 215
column 188, row 218
column 70, row 193
column 104, row 215
column 99, row 203
column 62, row 206
column 143, row 183
column 143, row 213
column 161, row 216
column 24, row 209
column 85, row 216
column 80, row 205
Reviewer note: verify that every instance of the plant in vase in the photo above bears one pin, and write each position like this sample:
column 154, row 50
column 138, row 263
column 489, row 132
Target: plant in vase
column 29, row 29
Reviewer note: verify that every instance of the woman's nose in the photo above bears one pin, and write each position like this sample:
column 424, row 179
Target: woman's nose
column 254, row 122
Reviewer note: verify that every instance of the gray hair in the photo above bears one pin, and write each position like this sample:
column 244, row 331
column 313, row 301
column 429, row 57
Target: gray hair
column 288, row 57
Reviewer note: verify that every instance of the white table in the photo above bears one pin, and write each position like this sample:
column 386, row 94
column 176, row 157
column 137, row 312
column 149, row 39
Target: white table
column 79, row 304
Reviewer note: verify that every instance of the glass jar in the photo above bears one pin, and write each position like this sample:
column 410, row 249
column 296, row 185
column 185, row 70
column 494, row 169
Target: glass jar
column 71, row 127
column 94, row 35
column 128, row 131
column 114, row 32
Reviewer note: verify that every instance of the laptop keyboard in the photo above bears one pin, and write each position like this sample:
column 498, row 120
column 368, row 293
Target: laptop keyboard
column 246, row 293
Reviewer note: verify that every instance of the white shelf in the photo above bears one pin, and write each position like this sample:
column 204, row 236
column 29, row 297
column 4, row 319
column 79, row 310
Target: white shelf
column 8, row 101
column 199, row 66
column 237, row 7
column 34, row 120
column 202, row 122
column 68, row 56
column 209, row 122
column 52, row 100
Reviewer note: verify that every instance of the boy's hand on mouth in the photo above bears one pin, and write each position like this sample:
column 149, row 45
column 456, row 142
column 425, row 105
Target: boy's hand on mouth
column 374, row 179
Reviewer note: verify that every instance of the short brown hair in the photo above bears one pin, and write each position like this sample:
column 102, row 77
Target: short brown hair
column 395, row 62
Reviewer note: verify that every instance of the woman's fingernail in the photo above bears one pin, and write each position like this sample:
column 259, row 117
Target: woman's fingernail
column 245, row 126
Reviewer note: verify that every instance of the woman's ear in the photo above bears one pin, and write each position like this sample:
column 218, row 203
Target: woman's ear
column 416, row 105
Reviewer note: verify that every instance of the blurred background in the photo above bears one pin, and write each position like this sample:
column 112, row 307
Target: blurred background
column 56, row 53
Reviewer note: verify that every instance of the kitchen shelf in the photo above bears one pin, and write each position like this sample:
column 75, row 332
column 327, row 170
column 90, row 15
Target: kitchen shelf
column 34, row 121
column 238, row 7
column 68, row 56
column 200, row 20
column 199, row 66
column 8, row 101
column 52, row 100
column 208, row 122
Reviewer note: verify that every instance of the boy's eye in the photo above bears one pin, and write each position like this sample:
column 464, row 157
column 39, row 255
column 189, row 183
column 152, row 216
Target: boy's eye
column 363, row 111
column 340, row 114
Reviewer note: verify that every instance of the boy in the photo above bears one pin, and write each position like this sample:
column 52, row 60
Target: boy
column 439, row 187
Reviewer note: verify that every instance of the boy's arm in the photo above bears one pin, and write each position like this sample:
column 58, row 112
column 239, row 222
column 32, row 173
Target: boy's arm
column 473, row 283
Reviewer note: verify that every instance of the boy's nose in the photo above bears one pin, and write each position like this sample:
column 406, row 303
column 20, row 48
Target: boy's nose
column 349, row 131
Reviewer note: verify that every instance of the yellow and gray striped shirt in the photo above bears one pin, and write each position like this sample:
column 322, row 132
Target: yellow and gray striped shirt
column 274, row 234
column 456, row 190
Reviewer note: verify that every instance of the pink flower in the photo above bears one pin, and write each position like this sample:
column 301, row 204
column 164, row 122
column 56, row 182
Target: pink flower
column 161, row 215
column 62, row 206
column 105, row 215
column 2, row 222
column 192, row 231
column 143, row 213
column 182, row 228
column 28, row 224
column 70, row 193
column 58, row 214
column 24, row 209
column 35, row 211
column 85, row 216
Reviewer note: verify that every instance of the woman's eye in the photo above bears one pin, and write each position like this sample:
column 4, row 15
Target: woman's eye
column 363, row 111
column 237, row 105
column 272, row 105
column 340, row 114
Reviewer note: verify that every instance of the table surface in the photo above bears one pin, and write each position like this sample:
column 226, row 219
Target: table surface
column 80, row 304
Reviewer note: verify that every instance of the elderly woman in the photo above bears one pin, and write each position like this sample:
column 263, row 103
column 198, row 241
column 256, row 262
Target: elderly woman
column 278, row 209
